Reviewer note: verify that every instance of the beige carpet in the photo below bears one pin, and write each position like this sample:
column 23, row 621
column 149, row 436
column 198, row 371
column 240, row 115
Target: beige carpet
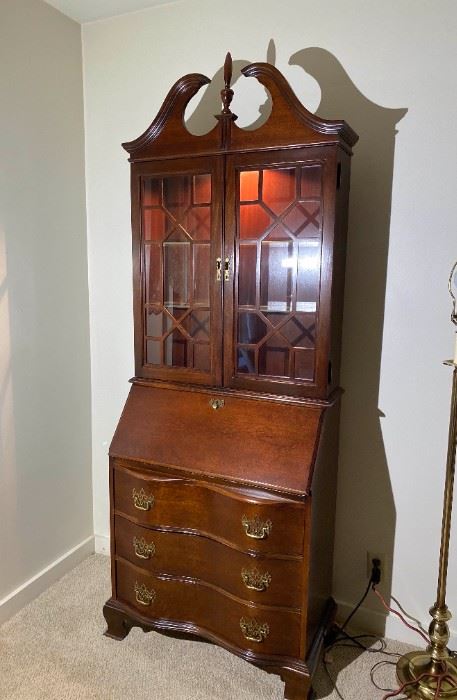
column 54, row 649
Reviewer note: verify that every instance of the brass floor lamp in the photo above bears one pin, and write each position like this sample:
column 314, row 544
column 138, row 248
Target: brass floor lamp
column 432, row 674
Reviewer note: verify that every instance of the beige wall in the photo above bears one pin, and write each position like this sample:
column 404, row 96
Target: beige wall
column 385, row 67
column 45, row 457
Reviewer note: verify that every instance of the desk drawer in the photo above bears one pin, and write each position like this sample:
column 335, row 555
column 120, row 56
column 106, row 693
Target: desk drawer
column 248, row 519
column 261, row 579
column 261, row 629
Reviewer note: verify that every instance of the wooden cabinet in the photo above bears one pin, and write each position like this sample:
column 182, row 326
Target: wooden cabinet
column 223, row 464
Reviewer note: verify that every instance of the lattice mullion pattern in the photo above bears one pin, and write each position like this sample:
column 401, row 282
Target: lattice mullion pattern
column 178, row 203
column 296, row 211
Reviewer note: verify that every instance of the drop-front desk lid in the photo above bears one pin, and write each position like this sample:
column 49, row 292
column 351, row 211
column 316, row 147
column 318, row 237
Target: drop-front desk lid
column 254, row 441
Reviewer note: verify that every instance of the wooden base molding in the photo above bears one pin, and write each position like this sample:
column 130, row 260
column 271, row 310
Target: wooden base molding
column 296, row 674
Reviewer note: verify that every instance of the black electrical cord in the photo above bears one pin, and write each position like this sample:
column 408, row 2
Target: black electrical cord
column 361, row 601
column 357, row 644
column 338, row 637
column 377, row 665
column 332, row 681
column 334, row 633
column 370, row 650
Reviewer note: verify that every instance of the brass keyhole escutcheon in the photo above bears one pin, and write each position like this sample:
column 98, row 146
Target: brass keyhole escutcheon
column 216, row 404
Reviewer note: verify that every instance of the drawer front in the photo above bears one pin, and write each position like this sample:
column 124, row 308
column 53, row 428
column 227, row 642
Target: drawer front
column 259, row 629
column 247, row 519
column 258, row 579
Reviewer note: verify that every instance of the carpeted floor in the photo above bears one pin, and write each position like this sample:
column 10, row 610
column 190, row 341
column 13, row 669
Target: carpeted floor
column 54, row 649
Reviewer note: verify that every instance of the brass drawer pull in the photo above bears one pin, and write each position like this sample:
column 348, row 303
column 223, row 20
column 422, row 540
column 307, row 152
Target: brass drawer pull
column 217, row 403
column 256, row 528
column 142, row 500
column 255, row 580
column 143, row 595
column 254, row 631
column 143, row 549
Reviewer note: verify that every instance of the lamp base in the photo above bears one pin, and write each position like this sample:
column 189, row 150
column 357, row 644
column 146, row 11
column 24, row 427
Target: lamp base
column 421, row 671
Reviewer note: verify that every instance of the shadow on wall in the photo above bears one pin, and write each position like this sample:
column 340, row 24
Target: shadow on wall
column 201, row 120
column 366, row 515
column 366, row 512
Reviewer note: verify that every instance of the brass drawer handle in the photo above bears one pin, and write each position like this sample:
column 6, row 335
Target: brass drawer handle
column 142, row 500
column 143, row 595
column 254, row 631
column 255, row 579
column 217, row 403
column 256, row 528
column 143, row 549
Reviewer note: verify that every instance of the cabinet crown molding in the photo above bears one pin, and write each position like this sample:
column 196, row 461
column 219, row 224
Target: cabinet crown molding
column 289, row 123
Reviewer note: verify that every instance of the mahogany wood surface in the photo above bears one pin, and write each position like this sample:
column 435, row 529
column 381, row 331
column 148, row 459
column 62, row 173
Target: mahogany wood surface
column 177, row 167
column 336, row 281
column 297, row 686
column 211, row 609
column 327, row 158
column 121, row 617
column 167, row 134
column 251, row 441
column 215, row 511
column 321, row 527
column 194, row 556
column 231, row 425
column 290, row 123
column 295, row 673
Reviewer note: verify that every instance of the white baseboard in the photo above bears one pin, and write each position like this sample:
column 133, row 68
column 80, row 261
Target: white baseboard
column 385, row 625
column 36, row 585
column 102, row 544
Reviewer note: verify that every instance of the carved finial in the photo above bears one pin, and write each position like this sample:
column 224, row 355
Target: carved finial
column 228, row 69
column 227, row 92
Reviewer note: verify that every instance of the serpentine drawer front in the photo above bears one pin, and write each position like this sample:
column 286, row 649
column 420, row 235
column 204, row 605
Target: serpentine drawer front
column 263, row 629
column 246, row 519
column 255, row 578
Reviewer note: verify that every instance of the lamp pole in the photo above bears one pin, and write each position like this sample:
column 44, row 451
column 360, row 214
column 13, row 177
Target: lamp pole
column 432, row 674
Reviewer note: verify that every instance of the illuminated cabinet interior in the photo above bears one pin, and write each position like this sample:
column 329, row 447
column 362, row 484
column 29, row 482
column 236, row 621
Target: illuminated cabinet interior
column 223, row 464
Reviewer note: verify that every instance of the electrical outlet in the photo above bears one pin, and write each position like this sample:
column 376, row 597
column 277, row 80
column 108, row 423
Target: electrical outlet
column 381, row 558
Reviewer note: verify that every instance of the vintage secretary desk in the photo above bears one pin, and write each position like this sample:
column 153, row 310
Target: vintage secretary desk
column 223, row 465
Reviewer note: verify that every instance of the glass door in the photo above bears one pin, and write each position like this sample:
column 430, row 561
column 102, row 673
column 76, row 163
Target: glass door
column 277, row 223
column 178, row 242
